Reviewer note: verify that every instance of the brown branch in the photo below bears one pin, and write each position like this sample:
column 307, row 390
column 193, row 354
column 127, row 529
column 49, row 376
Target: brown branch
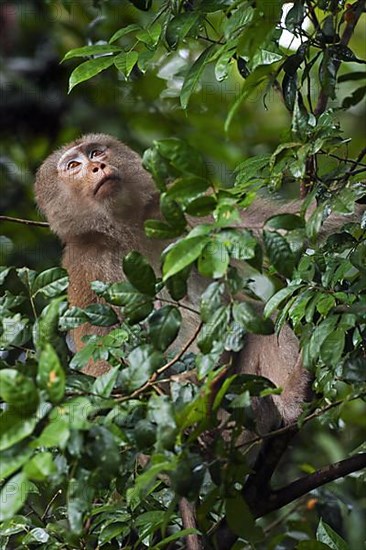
column 292, row 426
column 187, row 512
column 162, row 369
column 357, row 8
column 25, row 222
column 331, row 472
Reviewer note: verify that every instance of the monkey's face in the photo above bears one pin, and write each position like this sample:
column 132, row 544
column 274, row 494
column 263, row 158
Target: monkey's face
column 92, row 184
column 88, row 171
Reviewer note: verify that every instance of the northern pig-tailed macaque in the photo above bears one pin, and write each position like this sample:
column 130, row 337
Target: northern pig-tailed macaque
column 96, row 195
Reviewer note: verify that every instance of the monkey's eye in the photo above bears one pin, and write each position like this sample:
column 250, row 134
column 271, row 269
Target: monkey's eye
column 72, row 164
column 95, row 153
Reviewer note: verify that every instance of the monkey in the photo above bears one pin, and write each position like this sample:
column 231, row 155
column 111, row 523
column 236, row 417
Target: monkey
column 96, row 195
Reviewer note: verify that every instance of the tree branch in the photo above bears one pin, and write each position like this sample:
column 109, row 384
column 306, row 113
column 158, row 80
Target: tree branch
column 355, row 12
column 25, row 222
column 301, row 486
column 187, row 512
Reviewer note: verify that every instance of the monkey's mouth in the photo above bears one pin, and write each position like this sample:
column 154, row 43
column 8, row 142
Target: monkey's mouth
column 104, row 180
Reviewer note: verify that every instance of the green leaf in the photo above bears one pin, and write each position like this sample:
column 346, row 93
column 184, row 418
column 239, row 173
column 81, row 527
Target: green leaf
column 285, row 221
column 182, row 156
column 101, row 315
column 14, row 428
column 125, row 62
column 55, row 434
column 210, row 300
column 164, row 325
column 143, row 362
column 139, row 272
column 72, row 318
column 79, row 500
column 172, row 212
column 51, row 376
column 14, row 493
column 259, row 76
column 179, row 26
column 193, row 76
column 328, row 536
column 12, row 459
column 289, row 90
column 18, row 391
column 332, row 347
column 86, row 51
column 122, row 32
column 177, row 284
column 104, row 384
column 240, row 519
column 188, row 188
column 213, row 260
column 279, row 253
column 88, row 69
column 240, row 243
column 16, row 331
column 215, row 329
column 40, row 467
column 182, row 254
column 156, row 229
column 202, row 206
column 4, row 272
column 150, row 35
column 246, row 316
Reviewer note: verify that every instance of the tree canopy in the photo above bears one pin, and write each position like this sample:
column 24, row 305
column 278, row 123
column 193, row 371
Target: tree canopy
column 226, row 100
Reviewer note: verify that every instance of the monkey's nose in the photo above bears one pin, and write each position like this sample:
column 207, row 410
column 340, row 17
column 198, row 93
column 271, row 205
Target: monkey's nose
column 99, row 166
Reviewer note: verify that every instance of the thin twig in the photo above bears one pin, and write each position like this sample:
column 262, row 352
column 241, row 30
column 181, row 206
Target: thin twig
column 162, row 369
column 25, row 222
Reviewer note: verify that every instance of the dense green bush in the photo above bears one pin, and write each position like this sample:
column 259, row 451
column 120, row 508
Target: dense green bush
column 122, row 461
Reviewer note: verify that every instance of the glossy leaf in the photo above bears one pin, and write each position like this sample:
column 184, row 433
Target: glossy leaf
column 139, row 272
column 164, row 325
column 193, row 76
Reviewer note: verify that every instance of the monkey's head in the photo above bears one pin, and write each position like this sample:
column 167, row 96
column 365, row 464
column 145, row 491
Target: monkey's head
column 92, row 185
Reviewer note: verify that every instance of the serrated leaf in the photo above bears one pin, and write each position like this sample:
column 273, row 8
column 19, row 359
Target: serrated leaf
column 193, row 76
column 164, row 326
column 139, row 272
column 88, row 69
column 182, row 254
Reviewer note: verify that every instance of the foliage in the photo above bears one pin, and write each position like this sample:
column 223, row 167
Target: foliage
column 108, row 462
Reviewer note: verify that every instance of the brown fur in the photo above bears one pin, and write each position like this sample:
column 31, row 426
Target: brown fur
column 99, row 229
